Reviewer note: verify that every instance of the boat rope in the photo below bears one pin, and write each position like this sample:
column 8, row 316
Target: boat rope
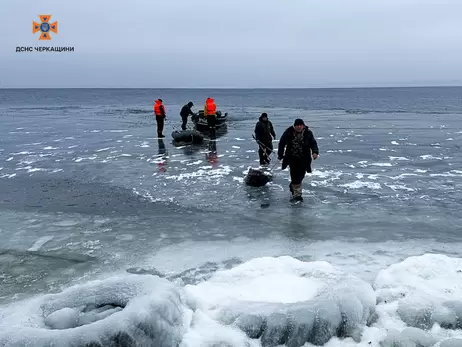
column 263, row 147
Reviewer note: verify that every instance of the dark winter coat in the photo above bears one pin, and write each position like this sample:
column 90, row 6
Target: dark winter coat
column 263, row 132
column 186, row 111
column 309, row 146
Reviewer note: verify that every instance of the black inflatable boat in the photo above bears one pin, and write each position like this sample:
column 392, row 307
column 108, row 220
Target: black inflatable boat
column 200, row 120
column 188, row 136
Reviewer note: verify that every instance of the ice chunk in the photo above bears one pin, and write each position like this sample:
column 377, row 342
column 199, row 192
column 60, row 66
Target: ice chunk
column 451, row 343
column 40, row 242
column 409, row 337
column 206, row 332
column 64, row 318
column 286, row 301
column 130, row 310
column 423, row 290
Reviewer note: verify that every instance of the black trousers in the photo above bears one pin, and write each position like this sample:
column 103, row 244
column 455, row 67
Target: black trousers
column 297, row 170
column 212, row 122
column 160, row 125
column 264, row 152
column 185, row 121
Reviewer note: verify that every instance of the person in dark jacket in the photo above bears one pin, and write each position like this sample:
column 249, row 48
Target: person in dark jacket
column 185, row 112
column 300, row 147
column 264, row 134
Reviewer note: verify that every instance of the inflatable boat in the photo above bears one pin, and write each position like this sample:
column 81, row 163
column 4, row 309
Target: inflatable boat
column 200, row 121
column 188, row 136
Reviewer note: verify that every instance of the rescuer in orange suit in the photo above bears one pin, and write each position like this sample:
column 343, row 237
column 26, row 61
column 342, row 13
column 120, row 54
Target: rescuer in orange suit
column 210, row 111
column 160, row 113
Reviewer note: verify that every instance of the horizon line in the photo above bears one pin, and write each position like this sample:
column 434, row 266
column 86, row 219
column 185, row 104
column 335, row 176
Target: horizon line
column 247, row 88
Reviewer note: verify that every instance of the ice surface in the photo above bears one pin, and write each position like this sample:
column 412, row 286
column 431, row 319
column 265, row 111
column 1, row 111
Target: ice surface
column 360, row 184
column 129, row 310
column 286, row 301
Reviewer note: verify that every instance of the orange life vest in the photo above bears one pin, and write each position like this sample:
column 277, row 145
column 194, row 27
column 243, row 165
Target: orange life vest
column 210, row 107
column 158, row 107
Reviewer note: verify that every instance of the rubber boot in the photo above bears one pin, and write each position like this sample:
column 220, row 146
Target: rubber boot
column 297, row 194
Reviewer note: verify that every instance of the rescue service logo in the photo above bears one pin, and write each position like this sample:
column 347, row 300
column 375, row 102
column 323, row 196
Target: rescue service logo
column 47, row 29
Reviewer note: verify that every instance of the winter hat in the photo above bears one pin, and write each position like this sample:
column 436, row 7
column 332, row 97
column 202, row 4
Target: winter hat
column 299, row 121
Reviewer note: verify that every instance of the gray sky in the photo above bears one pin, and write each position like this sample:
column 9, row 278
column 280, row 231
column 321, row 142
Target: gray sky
column 234, row 43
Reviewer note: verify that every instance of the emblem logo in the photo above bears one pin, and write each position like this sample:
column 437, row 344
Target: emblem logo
column 45, row 27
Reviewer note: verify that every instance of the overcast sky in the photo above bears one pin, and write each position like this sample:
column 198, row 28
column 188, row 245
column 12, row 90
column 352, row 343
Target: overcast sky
column 234, row 43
